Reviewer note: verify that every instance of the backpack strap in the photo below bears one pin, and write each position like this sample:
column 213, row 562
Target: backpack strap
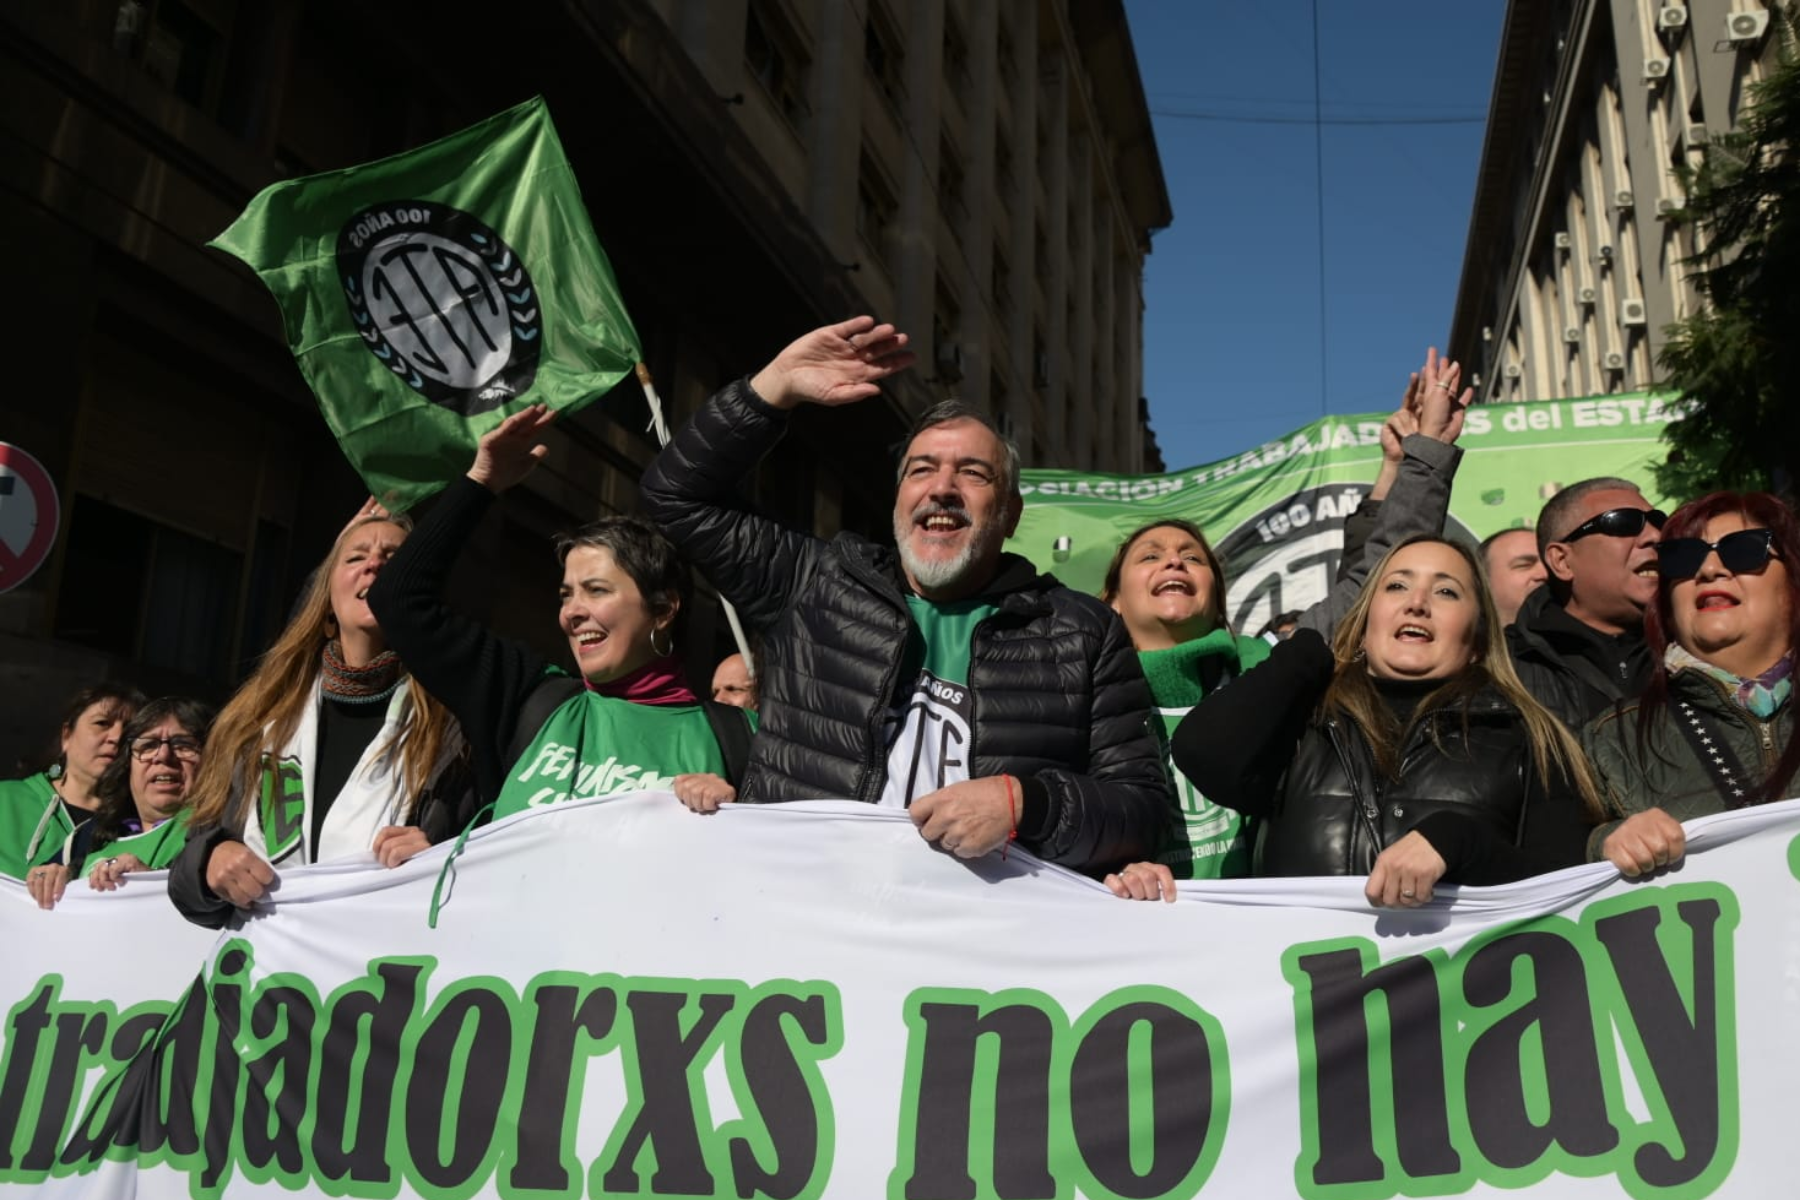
column 550, row 694
column 731, row 729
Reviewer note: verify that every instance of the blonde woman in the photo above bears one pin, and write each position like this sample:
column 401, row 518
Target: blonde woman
column 1406, row 750
column 328, row 750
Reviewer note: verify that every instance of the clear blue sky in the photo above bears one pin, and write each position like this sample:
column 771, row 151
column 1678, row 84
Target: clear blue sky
column 1232, row 328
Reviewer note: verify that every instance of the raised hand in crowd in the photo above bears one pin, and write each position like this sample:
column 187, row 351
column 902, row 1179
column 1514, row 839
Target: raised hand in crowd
column 838, row 364
column 1441, row 407
column 47, row 884
column 1401, row 424
column 510, row 450
column 703, row 792
column 238, row 874
column 371, row 510
column 110, row 872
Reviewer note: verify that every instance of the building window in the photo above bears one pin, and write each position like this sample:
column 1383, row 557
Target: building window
column 182, row 48
column 884, row 58
column 946, row 319
column 1003, row 164
column 875, row 206
column 773, row 55
column 1003, row 52
column 138, row 589
column 950, row 181
column 956, row 57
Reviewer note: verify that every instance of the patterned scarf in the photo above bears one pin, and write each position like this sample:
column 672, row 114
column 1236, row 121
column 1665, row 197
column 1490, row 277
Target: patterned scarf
column 1761, row 697
column 359, row 685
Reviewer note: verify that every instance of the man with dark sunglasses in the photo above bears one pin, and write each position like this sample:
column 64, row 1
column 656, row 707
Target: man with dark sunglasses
column 1579, row 640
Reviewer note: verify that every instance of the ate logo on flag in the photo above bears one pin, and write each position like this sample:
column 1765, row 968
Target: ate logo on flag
column 442, row 301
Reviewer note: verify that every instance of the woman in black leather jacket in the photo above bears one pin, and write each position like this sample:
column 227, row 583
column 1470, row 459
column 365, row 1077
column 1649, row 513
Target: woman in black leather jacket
column 1407, row 749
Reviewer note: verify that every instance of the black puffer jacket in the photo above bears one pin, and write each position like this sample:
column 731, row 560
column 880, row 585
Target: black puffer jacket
column 1573, row 670
column 1474, row 795
column 1060, row 701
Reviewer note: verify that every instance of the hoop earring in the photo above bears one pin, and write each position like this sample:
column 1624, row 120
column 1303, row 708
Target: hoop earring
column 661, row 653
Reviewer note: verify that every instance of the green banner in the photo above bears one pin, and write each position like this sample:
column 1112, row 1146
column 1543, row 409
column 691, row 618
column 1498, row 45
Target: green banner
column 1275, row 513
column 429, row 295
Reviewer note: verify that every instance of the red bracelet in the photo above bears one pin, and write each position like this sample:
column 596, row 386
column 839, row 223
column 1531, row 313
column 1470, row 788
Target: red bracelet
column 1012, row 804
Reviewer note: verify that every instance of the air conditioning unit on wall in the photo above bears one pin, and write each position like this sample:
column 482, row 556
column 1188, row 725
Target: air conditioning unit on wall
column 1615, row 361
column 1513, row 371
column 1633, row 312
column 1655, row 69
column 1672, row 19
column 1745, row 28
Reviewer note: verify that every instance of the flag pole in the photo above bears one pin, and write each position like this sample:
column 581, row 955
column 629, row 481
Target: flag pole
column 661, row 428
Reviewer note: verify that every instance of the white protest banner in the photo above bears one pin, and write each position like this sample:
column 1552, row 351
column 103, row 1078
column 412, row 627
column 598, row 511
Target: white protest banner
column 621, row 998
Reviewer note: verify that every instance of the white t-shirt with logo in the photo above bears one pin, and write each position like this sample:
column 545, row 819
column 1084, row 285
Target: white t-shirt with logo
column 929, row 730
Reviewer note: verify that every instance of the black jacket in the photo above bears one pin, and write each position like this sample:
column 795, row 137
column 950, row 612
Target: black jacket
column 1574, row 670
column 1259, row 747
column 1060, row 701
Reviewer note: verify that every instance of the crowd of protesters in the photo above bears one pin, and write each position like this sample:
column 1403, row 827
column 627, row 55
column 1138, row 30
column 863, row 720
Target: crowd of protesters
column 1446, row 714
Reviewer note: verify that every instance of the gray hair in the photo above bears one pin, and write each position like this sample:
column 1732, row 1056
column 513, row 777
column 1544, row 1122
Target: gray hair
column 946, row 411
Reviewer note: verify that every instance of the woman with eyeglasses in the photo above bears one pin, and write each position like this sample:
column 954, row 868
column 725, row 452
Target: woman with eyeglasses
column 1715, row 728
column 136, row 826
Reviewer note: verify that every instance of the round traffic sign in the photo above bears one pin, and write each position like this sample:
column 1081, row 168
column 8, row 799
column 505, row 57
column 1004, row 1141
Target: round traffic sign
column 28, row 516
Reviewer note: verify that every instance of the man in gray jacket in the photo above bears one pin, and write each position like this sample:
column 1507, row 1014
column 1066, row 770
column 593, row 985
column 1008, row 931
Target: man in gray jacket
column 941, row 674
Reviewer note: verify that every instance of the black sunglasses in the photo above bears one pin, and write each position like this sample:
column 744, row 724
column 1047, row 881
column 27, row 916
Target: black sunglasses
column 1742, row 553
column 1618, row 522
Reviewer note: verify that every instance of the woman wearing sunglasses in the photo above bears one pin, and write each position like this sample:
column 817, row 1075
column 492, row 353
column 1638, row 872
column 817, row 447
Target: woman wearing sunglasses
column 1714, row 729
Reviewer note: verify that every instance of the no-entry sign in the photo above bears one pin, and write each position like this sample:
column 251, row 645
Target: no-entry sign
column 28, row 515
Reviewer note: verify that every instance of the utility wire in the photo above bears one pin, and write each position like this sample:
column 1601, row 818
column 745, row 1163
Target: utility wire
column 1313, row 120
column 1319, row 172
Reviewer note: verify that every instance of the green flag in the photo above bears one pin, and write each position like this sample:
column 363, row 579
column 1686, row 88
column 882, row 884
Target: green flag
column 429, row 295
column 1275, row 512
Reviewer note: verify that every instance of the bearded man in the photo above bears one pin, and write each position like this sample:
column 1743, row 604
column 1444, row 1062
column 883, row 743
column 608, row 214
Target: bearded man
column 941, row 675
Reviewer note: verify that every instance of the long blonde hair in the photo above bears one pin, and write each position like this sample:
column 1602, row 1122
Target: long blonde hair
column 1352, row 691
column 262, row 716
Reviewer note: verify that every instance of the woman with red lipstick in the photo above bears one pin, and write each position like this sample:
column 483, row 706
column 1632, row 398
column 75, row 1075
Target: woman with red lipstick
column 1715, row 728
column 1406, row 749
column 39, row 812
column 330, row 749
column 538, row 735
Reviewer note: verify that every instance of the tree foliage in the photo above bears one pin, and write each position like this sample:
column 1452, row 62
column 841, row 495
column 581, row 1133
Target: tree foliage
column 1737, row 361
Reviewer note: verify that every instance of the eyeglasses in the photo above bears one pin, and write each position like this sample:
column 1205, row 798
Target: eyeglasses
column 1618, row 522
column 1744, row 552
column 146, row 749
